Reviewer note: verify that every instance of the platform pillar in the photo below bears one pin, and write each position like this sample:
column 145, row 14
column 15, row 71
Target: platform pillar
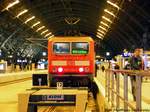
column 33, row 66
column 17, row 68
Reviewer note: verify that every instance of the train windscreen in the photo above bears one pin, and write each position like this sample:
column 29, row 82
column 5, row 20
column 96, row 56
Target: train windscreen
column 80, row 48
column 61, row 47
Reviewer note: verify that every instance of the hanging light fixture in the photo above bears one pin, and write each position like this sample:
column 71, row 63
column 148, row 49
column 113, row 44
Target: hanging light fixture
column 29, row 19
column 112, row 4
column 104, row 24
column 48, row 34
column 12, row 4
column 37, row 23
column 110, row 13
column 44, row 32
column 22, row 12
column 40, row 28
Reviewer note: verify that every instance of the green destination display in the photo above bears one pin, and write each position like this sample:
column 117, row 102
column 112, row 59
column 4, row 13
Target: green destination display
column 79, row 52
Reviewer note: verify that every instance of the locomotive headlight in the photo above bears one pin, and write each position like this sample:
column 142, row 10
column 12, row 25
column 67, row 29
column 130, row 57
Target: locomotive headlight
column 81, row 69
column 60, row 69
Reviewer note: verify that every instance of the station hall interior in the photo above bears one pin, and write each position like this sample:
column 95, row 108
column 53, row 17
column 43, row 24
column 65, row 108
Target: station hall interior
column 74, row 55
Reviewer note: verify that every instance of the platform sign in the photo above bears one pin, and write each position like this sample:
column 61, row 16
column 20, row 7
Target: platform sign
column 59, row 85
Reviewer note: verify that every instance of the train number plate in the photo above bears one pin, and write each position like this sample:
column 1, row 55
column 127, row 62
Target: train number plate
column 55, row 97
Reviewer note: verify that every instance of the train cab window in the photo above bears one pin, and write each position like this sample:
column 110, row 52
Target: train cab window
column 61, row 47
column 80, row 48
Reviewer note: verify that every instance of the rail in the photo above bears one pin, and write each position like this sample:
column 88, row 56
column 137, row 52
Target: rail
column 112, row 88
column 15, row 81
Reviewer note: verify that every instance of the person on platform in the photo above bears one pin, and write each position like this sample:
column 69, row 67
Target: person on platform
column 136, row 63
column 103, row 68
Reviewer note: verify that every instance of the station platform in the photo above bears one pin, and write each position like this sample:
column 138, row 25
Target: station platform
column 145, row 91
column 18, row 76
column 11, row 84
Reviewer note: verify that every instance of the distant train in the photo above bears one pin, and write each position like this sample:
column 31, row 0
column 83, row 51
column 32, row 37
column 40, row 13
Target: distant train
column 71, row 60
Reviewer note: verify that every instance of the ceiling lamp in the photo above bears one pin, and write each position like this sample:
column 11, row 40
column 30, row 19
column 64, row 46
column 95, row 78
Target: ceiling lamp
column 103, row 28
column 29, row 19
column 99, row 36
column 48, row 34
column 107, row 11
column 104, row 24
column 40, row 28
column 101, row 31
column 44, row 32
column 98, row 33
column 106, row 19
column 12, row 4
column 35, row 24
column 22, row 12
column 112, row 4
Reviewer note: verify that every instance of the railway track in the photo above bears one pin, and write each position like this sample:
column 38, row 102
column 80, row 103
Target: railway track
column 15, row 81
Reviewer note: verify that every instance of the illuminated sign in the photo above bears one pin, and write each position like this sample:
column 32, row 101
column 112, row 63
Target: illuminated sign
column 126, row 54
column 79, row 52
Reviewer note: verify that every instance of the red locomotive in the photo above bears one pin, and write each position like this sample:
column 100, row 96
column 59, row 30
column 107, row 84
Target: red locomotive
column 71, row 60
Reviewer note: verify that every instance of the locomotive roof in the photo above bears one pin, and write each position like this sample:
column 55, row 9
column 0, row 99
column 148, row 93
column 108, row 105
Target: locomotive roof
column 64, row 39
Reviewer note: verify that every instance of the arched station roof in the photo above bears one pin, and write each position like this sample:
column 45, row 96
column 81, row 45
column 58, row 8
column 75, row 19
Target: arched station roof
column 128, row 30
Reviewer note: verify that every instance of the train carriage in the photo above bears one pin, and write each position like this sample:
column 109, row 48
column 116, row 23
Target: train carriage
column 71, row 60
